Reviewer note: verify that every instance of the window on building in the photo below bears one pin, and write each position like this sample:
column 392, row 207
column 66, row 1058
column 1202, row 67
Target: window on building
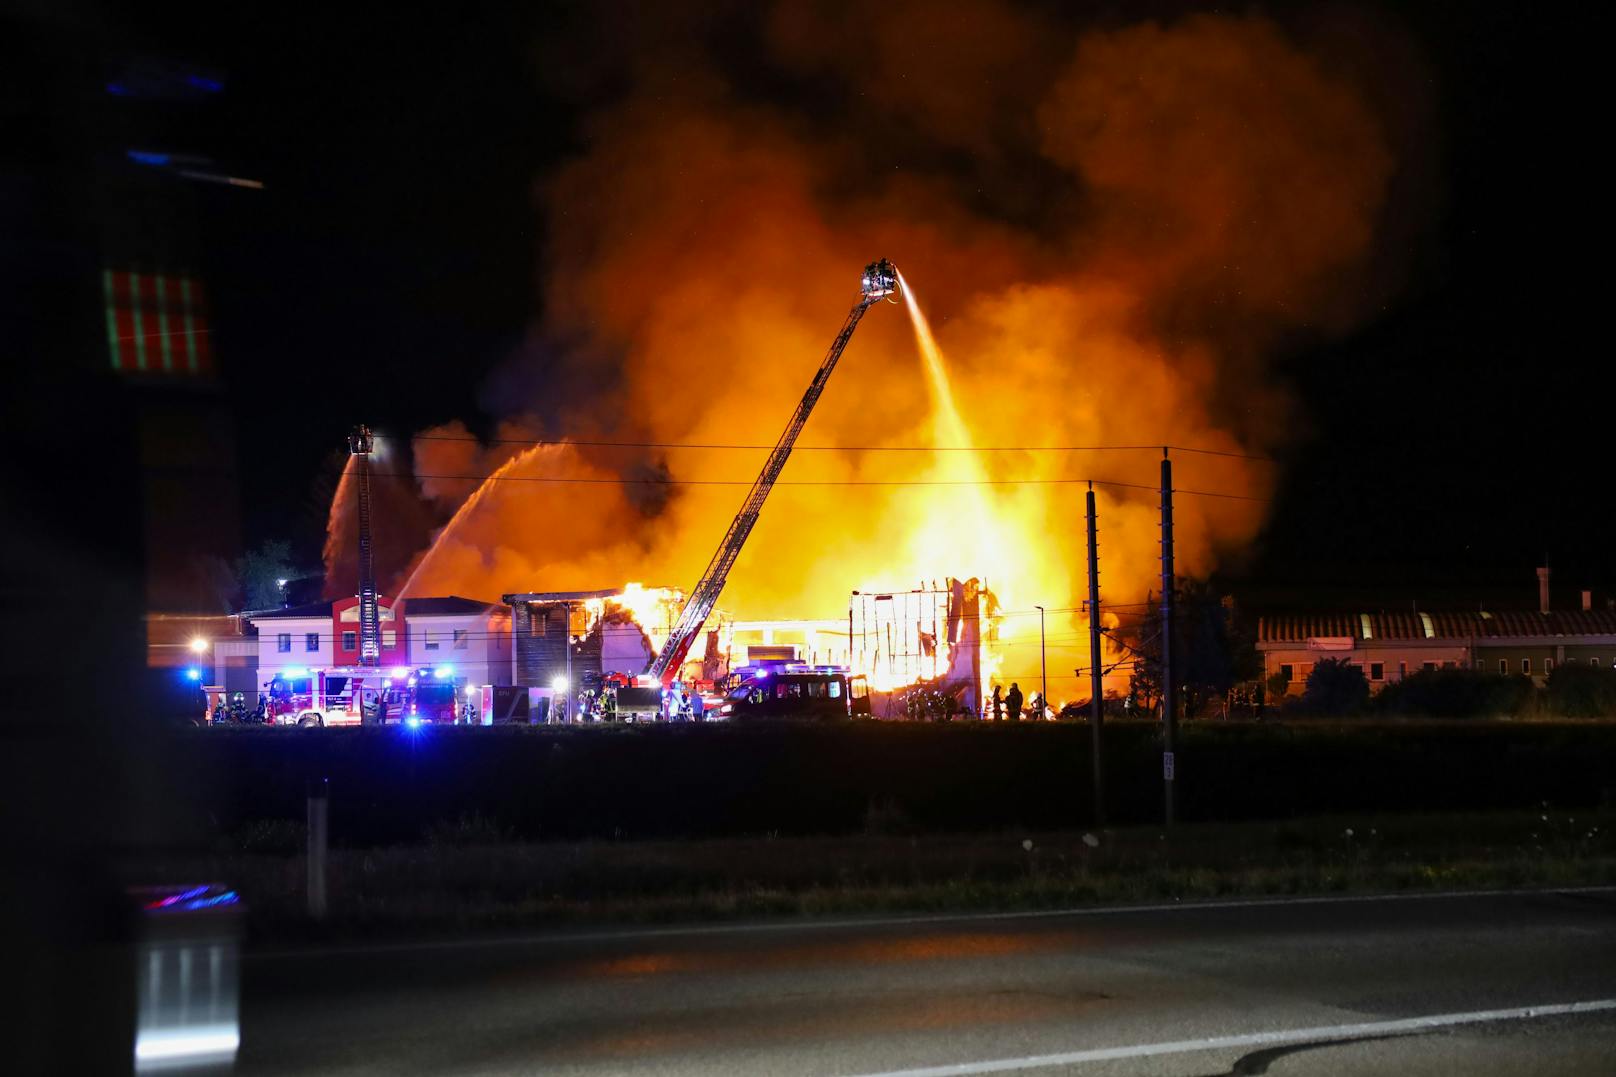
column 1503, row 665
column 429, row 640
column 350, row 640
column 1377, row 671
column 311, row 641
column 390, row 637
column 1526, row 666
column 1402, row 670
column 1548, row 665
column 1593, row 661
column 1428, row 666
column 283, row 643
column 462, row 638
column 1286, row 670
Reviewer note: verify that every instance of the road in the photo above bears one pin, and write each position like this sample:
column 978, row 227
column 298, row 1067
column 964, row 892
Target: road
column 1406, row 985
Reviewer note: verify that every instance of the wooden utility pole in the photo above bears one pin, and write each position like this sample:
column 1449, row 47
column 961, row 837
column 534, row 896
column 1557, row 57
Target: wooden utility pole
column 1169, row 697
column 1096, row 678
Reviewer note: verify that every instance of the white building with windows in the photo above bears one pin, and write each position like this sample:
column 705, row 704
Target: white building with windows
column 471, row 636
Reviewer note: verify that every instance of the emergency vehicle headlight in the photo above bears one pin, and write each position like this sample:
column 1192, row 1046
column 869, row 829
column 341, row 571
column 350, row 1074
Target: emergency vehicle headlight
column 559, row 684
column 443, row 671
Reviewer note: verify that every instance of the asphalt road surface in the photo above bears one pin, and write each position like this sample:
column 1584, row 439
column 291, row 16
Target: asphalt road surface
column 1506, row 983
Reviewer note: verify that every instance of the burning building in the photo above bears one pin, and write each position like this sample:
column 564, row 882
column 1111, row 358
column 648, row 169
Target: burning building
column 1101, row 274
column 562, row 636
column 928, row 635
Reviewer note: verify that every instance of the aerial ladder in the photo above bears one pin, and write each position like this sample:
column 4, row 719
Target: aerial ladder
column 361, row 444
column 880, row 280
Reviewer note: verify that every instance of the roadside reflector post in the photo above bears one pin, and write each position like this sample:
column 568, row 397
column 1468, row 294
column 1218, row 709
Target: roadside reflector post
column 319, row 801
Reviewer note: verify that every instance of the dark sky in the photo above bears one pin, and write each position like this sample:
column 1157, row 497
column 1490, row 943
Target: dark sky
column 390, row 265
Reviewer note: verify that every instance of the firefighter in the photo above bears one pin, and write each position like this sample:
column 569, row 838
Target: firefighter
column 1013, row 702
column 998, row 704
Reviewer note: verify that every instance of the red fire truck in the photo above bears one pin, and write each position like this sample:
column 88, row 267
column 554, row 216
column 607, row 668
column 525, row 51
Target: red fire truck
column 365, row 695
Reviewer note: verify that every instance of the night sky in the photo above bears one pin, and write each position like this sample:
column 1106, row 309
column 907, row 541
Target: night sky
column 390, row 266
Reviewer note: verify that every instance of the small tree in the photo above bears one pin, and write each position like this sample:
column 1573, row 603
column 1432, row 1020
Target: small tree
column 259, row 574
column 1213, row 649
column 1335, row 687
column 1578, row 691
column 1457, row 693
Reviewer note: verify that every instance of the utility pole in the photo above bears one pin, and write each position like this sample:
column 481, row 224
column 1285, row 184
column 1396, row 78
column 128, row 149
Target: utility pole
column 850, row 663
column 566, row 640
column 1096, row 677
column 1043, row 667
column 1169, row 697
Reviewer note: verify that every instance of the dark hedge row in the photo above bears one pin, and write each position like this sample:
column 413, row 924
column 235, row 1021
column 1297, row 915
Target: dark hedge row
column 391, row 785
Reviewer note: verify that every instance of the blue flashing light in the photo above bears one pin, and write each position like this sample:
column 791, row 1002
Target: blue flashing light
column 202, row 82
column 147, row 157
column 193, row 674
column 117, row 89
column 401, row 672
column 413, row 721
column 443, row 671
column 295, row 671
column 229, row 897
column 197, row 897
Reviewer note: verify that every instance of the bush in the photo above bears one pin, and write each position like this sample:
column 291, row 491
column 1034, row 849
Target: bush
column 1576, row 691
column 1335, row 688
column 1457, row 693
column 474, row 786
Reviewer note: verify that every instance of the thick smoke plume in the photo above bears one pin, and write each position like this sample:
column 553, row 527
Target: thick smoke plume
column 1109, row 229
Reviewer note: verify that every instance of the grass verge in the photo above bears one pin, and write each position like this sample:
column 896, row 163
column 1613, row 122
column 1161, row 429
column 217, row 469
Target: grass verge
column 469, row 878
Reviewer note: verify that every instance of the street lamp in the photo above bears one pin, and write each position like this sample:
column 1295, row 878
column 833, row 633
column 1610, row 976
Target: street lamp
column 199, row 645
column 1043, row 667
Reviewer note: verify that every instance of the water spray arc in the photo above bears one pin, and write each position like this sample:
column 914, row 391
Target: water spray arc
column 879, row 281
column 465, row 510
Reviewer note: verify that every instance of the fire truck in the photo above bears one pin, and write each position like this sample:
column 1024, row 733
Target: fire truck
column 794, row 690
column 365, row 695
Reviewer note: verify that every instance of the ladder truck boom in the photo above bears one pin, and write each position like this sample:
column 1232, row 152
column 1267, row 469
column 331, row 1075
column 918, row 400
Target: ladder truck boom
column 880, row 280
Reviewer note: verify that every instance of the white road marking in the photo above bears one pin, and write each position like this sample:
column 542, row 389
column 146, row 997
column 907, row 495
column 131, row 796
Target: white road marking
column 772, row 926
column 1401, row 1026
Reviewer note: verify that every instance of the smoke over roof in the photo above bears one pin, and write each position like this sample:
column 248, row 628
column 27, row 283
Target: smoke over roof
column 1112, row 228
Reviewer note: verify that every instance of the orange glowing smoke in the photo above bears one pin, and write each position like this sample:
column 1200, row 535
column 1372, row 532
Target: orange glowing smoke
column 1111, row 229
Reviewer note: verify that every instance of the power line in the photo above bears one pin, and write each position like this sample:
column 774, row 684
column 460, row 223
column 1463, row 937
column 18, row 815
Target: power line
column 1158, row 447
column 658, row 481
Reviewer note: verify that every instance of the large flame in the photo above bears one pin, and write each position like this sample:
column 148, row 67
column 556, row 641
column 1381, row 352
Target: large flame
column 1111, row 228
